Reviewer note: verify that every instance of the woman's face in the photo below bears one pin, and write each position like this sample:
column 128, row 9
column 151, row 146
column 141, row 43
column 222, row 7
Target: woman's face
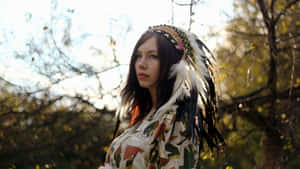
column 147, row 64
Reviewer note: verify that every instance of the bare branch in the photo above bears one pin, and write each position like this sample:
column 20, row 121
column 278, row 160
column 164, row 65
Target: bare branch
column 293, row 70
column 290, row 4
column 243, row 106
column 272, row 7
column 191, row 13
column 247, row 33
column 250, row 95
column 183, row 4
column 264, row 12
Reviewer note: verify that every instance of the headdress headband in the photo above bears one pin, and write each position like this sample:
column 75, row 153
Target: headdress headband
column 176, row 36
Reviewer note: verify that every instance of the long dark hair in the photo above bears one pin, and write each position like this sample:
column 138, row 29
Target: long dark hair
column 139, row 97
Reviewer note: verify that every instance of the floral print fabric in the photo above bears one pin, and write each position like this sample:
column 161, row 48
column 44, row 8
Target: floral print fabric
column 149, row 144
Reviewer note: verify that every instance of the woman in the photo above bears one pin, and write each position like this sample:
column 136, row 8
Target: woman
column 170, row 97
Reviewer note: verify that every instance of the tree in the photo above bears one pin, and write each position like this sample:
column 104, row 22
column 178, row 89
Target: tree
column 64, row 132
column 42, row 125
column 260, row 72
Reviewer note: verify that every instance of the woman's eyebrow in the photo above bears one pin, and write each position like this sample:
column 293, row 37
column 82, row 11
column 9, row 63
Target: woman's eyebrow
column 149, row 51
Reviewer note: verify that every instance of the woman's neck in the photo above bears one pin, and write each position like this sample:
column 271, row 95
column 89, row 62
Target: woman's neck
column 153, row 97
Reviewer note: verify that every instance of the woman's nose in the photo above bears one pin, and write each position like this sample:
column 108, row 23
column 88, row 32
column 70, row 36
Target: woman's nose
column 142, row 62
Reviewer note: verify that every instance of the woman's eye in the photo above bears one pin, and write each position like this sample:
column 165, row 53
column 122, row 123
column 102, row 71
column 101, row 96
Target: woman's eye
column 154, row 56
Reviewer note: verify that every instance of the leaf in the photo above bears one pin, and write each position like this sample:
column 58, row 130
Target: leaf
column 298, row 80
column 112, row 42
column 105, row 148
column 259, row 109
column 284, row 27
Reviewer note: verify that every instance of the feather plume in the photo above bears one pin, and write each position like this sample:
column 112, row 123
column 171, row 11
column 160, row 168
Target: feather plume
column 180, row 71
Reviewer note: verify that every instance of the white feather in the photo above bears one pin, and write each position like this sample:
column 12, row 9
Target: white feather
column 180, row 71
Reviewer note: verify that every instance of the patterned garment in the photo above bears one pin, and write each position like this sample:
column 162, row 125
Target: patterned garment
column 148, row 145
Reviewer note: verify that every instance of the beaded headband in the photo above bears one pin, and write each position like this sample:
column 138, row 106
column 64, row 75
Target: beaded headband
column 176, row 36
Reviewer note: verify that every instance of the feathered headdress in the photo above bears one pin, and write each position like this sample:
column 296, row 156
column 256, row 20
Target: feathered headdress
column 194, row 71
column 194, row 89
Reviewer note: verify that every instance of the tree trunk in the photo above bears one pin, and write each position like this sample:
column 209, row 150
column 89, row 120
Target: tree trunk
column 272, row 150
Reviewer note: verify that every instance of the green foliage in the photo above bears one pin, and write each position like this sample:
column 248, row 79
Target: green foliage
column 34, row 133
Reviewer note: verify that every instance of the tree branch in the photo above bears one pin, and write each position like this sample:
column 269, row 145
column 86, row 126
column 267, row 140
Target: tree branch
column 243, row 106
column 250, row 95
column 284, row 10
column 183, row 4
column 264, row 12
column 248, row 34
column 272, row 7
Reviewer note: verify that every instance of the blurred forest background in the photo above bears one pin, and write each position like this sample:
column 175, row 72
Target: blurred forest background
column 258, row 84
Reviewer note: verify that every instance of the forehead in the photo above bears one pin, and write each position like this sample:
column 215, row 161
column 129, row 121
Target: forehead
column 149, row 45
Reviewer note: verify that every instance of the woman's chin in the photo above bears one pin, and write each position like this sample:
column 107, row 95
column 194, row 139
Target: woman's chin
column 144, row 85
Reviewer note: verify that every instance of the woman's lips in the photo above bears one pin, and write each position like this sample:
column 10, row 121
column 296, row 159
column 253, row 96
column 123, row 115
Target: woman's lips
column 142, row 75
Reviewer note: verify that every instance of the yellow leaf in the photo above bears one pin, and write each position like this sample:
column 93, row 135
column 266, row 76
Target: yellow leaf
column 283, row 115
column 228, row 167
column 76, row 147
column 259, row 109
column 298, row 80
column 205, row 157
column 285, row 147
column 37, row 166
column 112, row 42
column 67, row 128
column 259, row 79
column 284, row 28
column 252, row 47
column 105, row 148
column 293, row 7
column 226, row 119
column 222, row 76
